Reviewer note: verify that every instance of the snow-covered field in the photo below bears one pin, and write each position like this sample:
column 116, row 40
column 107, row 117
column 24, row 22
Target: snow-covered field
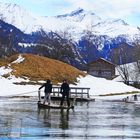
column 101, row 86
column 98, row 86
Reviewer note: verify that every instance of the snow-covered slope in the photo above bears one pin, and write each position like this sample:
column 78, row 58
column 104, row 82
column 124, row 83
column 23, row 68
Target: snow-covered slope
column 115, row 27
column 101, row 86
column 75, row 22
column 98, row 86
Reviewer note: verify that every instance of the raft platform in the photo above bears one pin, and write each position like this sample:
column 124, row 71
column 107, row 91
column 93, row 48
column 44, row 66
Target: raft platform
column 53, row 106
column 76, row 94
column 78, row 99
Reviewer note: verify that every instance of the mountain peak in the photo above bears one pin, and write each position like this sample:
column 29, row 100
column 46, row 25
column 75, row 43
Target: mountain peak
column 73, row 13
column 19, row 17
column 122, row 21
column 76, row 12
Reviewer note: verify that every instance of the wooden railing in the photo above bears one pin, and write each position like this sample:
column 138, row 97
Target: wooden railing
column 77, row 91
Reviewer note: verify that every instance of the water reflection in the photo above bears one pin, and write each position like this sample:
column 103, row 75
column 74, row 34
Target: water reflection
column 99, row 120
column 60, row 117
column 64, row 119
column 9, row 127
column 46, row 116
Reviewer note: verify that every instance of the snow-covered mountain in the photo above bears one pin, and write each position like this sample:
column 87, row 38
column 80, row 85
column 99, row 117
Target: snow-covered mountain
column 75, row 22
column 19, row 17
column 88, row 35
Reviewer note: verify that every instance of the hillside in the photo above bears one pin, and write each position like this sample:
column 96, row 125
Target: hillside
column 77, row 38
column 37, row 68
column 31, row 70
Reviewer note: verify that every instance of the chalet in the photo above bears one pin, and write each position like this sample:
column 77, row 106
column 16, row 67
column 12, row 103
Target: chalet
column 101, row 68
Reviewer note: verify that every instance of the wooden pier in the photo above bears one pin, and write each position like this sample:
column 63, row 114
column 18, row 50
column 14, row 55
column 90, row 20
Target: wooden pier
column 80, row 93
column 76, row 91
column 76, row 94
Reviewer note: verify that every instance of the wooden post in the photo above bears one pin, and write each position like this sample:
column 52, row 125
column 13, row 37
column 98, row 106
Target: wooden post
column 58, row 91
column 82, row 93
column 76, row 92
column 39, row 97
column 53, row 91
column 88, row 93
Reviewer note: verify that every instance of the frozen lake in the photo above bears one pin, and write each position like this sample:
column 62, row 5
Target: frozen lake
column 99, row 120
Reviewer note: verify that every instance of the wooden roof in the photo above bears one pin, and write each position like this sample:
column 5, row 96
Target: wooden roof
column 102, row 59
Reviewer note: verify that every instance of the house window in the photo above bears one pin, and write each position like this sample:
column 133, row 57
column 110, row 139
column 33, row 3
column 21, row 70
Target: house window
column 94, row 73
column 106, row 73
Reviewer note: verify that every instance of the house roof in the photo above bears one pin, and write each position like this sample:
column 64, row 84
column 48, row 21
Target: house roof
column 102, row 60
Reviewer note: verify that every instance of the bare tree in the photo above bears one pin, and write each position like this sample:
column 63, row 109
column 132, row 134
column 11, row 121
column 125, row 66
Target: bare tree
column 120, row 56
column 136, row 51
column 136, row 55
column 135, row 72
column 124, row 73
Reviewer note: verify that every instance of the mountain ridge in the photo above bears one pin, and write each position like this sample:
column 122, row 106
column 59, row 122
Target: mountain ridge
column 81, row 34
column 78, row 20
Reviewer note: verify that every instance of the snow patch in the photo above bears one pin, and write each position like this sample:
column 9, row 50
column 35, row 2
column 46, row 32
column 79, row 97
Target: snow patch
column 19, row 59
column 4, row 70
column 25, row 45
column 8, row 88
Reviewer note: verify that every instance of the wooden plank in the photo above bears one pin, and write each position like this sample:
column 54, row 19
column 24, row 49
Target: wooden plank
column 71, row 98
column 52, row 106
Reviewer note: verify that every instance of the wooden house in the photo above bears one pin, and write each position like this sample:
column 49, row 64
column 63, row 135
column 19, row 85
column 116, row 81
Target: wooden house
column 101, row 68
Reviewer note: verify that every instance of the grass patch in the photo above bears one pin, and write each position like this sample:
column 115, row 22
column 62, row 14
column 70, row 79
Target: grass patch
column 3, row 62
column 125, row 93
column 28, row 83
column 37, row 68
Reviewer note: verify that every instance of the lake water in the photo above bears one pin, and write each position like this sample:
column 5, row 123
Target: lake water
column 20, row 118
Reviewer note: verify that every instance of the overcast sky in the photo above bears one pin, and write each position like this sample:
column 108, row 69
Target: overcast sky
column 128, row 10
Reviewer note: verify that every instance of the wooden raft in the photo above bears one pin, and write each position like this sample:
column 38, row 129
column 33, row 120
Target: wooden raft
column 53, row 106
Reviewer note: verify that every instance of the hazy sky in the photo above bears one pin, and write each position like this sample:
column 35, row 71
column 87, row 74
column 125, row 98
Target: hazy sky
column 128, row 10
